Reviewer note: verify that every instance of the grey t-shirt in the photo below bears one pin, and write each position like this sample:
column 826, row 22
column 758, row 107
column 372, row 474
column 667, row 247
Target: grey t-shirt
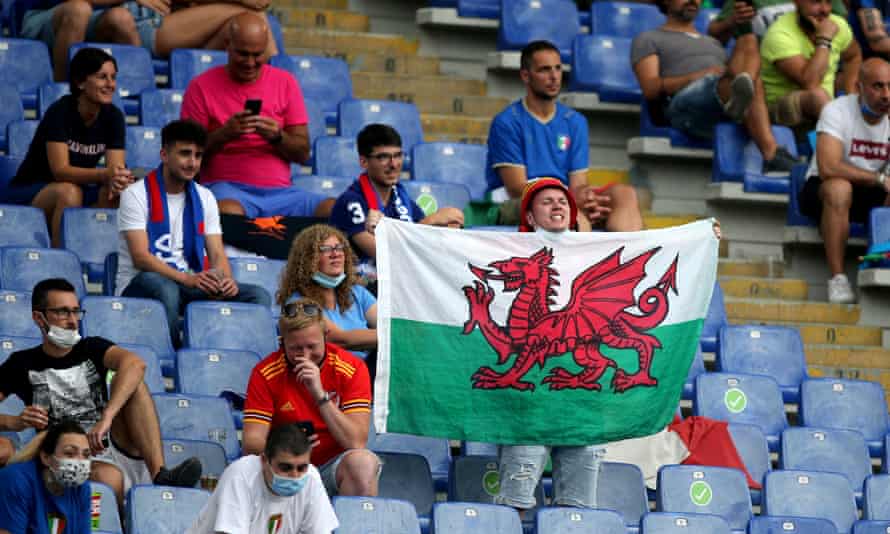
column 679, row 53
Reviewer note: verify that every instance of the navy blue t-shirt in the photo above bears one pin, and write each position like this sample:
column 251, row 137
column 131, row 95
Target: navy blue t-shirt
column 27, row 507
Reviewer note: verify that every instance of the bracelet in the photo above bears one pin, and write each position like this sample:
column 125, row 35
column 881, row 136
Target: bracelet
column 881, row 178
column 823, row 42
column 324, row 399
column 276, row 140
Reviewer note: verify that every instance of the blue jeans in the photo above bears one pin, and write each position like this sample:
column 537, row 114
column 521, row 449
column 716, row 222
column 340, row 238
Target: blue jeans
column 268, row 201
column 175, row 297
column 575, row 474
column 696, row 108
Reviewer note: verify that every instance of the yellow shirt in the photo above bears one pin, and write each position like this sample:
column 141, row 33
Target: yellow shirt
column 785, row 39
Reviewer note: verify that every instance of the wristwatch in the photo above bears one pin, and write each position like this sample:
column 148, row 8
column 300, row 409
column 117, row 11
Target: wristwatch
column 881, row 178
column 277, row 139
column 325, row 398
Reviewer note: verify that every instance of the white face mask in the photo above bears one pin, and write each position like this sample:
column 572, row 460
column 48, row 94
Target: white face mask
column 62, row 337
column 71, row 472
column 550, row 235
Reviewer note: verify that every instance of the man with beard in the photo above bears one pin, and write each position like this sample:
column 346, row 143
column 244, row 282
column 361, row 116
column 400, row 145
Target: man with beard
column 703, row 88
column 801, row 52
column 848, row 176
column 537, row 136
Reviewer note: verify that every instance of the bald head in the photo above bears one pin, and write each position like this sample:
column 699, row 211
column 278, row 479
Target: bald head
column 874, row 88
column 248, row 41
column 871, row 68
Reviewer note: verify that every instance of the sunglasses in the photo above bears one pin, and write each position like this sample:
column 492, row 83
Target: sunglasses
column 291, row 309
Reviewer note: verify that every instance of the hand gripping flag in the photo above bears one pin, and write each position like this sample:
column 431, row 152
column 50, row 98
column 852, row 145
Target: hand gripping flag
column 556, row 339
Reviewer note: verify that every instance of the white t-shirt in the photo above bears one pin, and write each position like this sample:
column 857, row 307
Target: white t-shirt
column 866, row 146
column 243, row 504
column 133, row 215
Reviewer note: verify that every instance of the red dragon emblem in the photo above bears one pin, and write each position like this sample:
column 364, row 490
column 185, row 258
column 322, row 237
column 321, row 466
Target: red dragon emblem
column 597, row 314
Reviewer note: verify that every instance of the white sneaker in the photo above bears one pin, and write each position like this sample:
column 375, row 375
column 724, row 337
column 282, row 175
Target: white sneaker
column 839, row 290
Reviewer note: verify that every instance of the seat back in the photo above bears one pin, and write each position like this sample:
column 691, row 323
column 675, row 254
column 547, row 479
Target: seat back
column 23, row 267
column 524, row 21
column 705, row 490
column 11, row 110
column 153, row 378
column 876, row 497
column 25, row 64
column 324, row 185
column 714, row 321
column 135, row 69
column 360, row 515
column 11, row 344
column 261, row 272
column 407, row 477
column 775, row 351
column 456, row 163
column 15, row 315
column 564, row 520
column 23, row 226
column 437, row 451
column 762, row 524
column 845, row 404
column 741, row 398
column 186, row 63
column 212, row 456
column 92, row 234
column 431, row 196
column 683, row 523
column 751, row 445
column 212, row 371
column 470, row 518
column 102, row 499
column 143, row 147
column 157, row 107
column 620, row 487
column 823, row 449
column 325, row 80
column 129, row 320
column 623, row 19
column 230, row 325
column 810, row 494
column 871, row 527
column 336, row 156
column 600, row 60
column 19, row 135
column 403, row 116
column 198, row 417
column 163, row 509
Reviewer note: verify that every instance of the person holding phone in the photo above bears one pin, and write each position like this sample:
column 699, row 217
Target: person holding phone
column 756, row 16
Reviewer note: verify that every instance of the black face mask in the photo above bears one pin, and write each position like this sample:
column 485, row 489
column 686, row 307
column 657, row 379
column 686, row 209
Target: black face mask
column 805, row 23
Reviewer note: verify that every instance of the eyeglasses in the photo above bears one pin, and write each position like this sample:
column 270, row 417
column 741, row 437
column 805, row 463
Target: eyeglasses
column 64, row 313
column 291, row 310
column 327, row 249
column 284, row 467
column 386, row 157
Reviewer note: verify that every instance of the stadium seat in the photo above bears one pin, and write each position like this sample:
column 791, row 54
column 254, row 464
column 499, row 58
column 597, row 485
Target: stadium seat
column 362, row 515
column 19, row 135
column 91, row 234
column 157, row 107
column 848, row 405
column 833, row 450
column 524, row 21
column 810, row 494
column 15, row 315
column 432, row 196
column 186, row 63
column 472, row 518
column 600, row 65
column 325, row 80
column 109, row 281
column 871, row 527
column 135, row 70
column 48, row 93
column 477, row 479
column 10, row 344
column 325, row 185
column 682, row 523
column 336, row 156
column 483, row 9
column 697, row 368
column 564, row 520
column 104, row 501
column 623, row 19
column 457, row 163
column 407, row 477
column 316, row 126
column 9, row 165
column 674, row 136
column 704, row 489
column 620, row 487
column 214, row 371
column 130, row 320
column 790, row 525
column 751, row 445
column 704, row 18
column 261, row 272
column 10, row 111
column 714, row 321
column 795, row 217
column 163, row 509
column 25, row 64
column 876, row 497
column 436, row 451
column 230, row 325
column 12, row 405
column 23, row 267
column 275, row 28
column 741, row 398
column 23, row 226
column 199, row 417
column 404, row 117
column 737, row 158
column 154, row 379
column 143, row 147
column 478, row 448
column 775, row 351
column 212, row 456
column 878, row 227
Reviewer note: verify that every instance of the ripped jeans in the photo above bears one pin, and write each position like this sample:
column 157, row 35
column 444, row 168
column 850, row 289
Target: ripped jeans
column 575, row 473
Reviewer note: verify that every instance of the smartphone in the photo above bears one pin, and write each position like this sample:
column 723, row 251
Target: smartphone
column 307, row 427
column 253, row 105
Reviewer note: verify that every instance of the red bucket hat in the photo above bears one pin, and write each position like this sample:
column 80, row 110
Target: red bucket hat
column 532, row 189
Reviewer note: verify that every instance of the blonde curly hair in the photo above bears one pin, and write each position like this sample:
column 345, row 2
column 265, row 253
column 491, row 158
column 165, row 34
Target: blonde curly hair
column 302, row 262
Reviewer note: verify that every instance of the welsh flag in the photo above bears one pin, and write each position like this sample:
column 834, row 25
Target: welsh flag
column 568, row 339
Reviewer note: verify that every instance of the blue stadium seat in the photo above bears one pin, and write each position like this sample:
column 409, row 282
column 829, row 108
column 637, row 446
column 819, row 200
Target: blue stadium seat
column 130, row 320
column 737, row 159
column 751, row 445
column 157, row 107
column 325, row 80
column 163, row 509
column 154, row 379
column 135, row 70
column 23, row 226
column 876, row 497
column 19, row 135
column 790, row 525
column 478, row 448
column 407, row 477
column 25, row 64
column 697, row 368
column 483, row 9
column 404, row 117
column 325, row 185
column 361, row 515
column 9, row 165
column 436, row 451
column 316, row 126
column 682, row 523
column 848, row 405
column 109, row 281
column 600, row 65
column 12, row 405
column 524, row 21
column 230, row 325
column 823, row 449
column 457, row 163
column 699, row 489
column 23, row 267
column 810, row 494
column 775, row 351
column 795, row 217
column 48, row 93
column 10, row 111
column 109, row 519
column 213, row 371
column 623, row 19
column 91, row 234
column 620, row 487
column 741, row 398
column 871, row 527
column 10, row 344
column 476, row 479
column 675, row 136
column 704, row 18
column 564, row 520
column 432, row 196
column 277, row 34
column 471, row 518
column 143, row 147
column 212, row 456
column 186, row 63
column 336, row 156
column 879, row 226
column 261, row 272
column 199, row 417
column 15, row 315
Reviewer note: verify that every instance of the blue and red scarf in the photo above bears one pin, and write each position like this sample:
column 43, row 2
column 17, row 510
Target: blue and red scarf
column 159, row 223
column 375, row 203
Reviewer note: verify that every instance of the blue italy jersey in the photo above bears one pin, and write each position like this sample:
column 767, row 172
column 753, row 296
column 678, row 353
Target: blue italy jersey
column 27, row 507
column 556, row 147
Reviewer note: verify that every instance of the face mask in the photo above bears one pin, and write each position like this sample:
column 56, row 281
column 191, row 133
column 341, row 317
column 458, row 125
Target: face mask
column 549, row 235
column 62, row 337
column 70, row 472
column 868, row 112
column 286, row 486
column 328, row 282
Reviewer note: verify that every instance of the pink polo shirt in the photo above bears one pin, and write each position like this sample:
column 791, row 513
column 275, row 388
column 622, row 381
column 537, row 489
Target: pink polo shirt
column 213, row 97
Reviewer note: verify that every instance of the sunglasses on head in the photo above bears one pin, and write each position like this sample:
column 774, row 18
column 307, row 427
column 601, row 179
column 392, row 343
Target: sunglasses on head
column 291, row 309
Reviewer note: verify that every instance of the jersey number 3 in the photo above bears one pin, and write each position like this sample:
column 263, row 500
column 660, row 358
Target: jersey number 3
column 358, row 214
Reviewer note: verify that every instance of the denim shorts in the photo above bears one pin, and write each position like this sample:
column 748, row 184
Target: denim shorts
column 268, row 201
column 38, row 24
column 575, row 474
column 697, row 108
column 328, row 471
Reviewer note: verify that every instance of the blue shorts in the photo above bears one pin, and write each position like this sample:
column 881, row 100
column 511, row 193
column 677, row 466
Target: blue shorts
column 268, row 201
column 697, row 108
column 38, row 24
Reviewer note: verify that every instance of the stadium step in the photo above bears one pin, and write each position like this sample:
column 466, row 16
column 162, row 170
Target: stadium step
column 370, row 61
column 855, row 356
column 313, row 4
column 759, row 268
column 409, row 88
column 653, row 222
column 453, row 138
column 764, row 288
column 771, row 310
column 600, row 177
column 829, row 335
column 323, row 19
column 439, row 104
column 346, row 42
column 438, row 124
column 879, row 375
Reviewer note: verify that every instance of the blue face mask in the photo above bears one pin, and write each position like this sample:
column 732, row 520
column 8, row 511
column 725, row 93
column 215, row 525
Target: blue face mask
column 867, row 111
column 286, row 486
column 328, row 282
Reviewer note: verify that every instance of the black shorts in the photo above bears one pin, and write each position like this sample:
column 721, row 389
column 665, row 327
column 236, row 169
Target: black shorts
column 864, row 199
